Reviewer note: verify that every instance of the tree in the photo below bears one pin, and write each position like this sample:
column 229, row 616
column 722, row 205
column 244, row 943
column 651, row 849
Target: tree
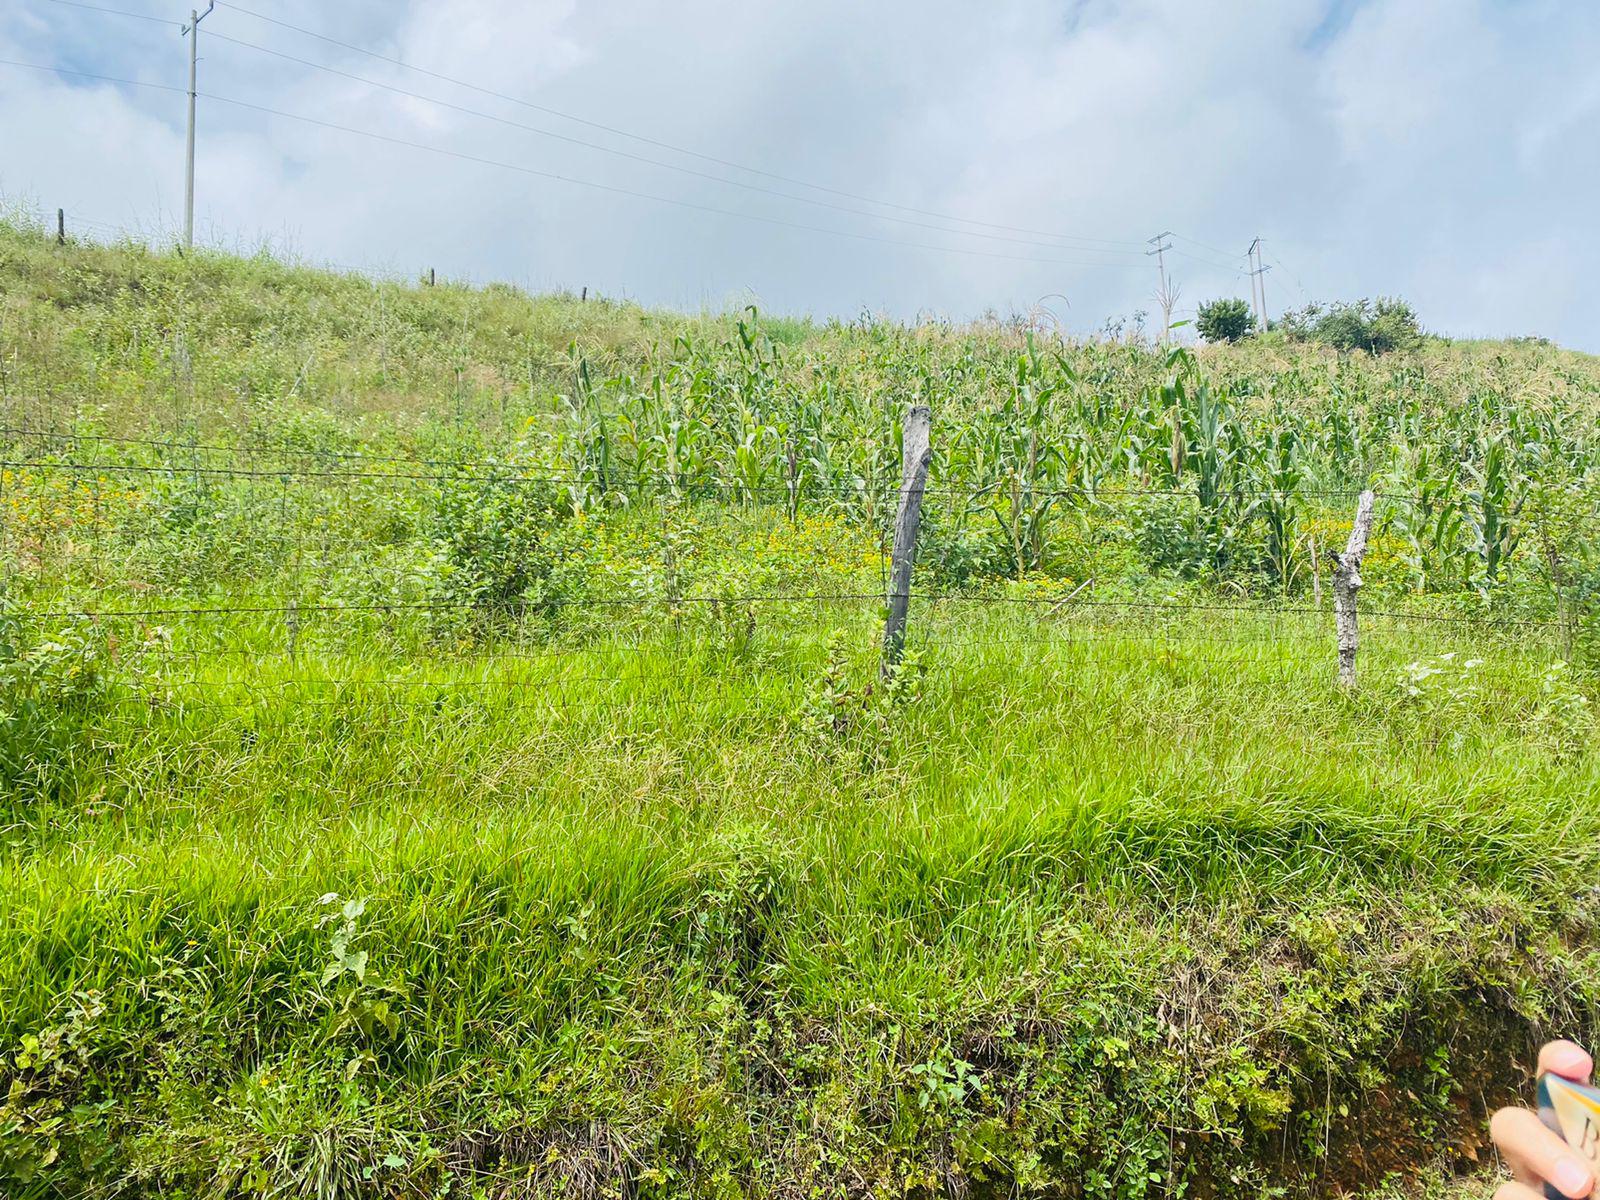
column 1225, row 320
column 1376, row 326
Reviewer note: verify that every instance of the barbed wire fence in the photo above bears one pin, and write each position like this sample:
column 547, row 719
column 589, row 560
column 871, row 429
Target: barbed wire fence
column 290, row 637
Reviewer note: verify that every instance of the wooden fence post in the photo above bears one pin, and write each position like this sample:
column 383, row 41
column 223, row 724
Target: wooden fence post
column 1346, row 583
column 61, row 227
column 914, row 458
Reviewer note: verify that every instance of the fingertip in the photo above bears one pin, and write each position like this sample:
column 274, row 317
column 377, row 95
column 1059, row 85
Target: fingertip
column 1571, row 1177
column 1566, row 1059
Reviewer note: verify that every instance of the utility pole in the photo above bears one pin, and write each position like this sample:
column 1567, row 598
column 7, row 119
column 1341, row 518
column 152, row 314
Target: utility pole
column 1166, row 296
column 192, row 31
column 1258, row 282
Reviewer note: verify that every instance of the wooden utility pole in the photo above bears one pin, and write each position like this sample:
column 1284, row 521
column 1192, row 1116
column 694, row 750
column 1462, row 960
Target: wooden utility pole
column 915, row 456
column 1166, row 293
column 1258, row 283
column 192, row 29
column 1346, row 583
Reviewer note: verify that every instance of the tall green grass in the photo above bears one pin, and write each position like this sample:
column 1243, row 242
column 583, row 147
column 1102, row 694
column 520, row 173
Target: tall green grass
column 665, row 929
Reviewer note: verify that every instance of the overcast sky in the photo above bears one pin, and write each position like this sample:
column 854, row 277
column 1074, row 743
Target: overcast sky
column 1444, row 150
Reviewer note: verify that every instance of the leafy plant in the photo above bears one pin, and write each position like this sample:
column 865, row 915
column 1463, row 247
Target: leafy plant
column 1565, row 715
column 1376, row 326
column 1225, row 320
column 945, row 1083
column 1494, row 501
column 837, row 713
column 361, row 1005
column 491, row 530
column 50, row 691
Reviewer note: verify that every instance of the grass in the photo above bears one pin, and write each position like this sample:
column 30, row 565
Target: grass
column 504, row 864
column 1132, row 895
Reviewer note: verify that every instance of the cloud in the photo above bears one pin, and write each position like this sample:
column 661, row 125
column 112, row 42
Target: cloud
column 1438, row 149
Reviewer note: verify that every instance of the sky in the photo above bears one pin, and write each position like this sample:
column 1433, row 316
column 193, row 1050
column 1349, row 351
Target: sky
column 914, row 158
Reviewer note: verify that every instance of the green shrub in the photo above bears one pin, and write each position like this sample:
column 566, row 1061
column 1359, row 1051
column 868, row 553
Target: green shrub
column 492, row 531
column 1376, row 326
column 1225, row 320
column 50, row 688
column 953, row 550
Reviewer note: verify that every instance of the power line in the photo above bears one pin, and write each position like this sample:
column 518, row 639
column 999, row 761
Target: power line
column 663, row 145
column 1292, row 276
column 118, row 12
column 1207, row 246
column 1089, row 244
column 572, row 179
column 624, row 191
column 138, row 83
column 1166, row 294
column 1200, row 258
column 192, row 32
column 655, row 162
column 1258, row 281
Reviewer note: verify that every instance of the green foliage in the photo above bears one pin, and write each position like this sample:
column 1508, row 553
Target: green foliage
column 492, row 531
column 1376, row 326
column 863, row 718
column 1225, row 320
column 51, row 689
column 50, row 1104
column 497, row 622
column 1494, row 499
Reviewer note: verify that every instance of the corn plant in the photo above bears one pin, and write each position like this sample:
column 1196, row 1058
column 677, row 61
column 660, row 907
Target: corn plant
column 586, row 442
column 1494, row 500
column 1424, row 506
column 1276, row 473
column 1025, row 473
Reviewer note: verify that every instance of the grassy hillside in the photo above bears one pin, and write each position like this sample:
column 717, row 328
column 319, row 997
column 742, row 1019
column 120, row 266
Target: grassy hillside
column 444, row 751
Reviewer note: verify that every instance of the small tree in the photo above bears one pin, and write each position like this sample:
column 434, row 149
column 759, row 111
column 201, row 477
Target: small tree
column 1376, row 326
column 1225, row 320
column 1394, row 326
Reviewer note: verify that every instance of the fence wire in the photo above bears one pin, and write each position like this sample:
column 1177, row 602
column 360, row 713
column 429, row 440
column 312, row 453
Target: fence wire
column 277, row 648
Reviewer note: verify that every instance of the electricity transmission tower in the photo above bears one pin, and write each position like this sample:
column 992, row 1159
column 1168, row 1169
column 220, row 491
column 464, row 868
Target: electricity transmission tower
column 192, row 32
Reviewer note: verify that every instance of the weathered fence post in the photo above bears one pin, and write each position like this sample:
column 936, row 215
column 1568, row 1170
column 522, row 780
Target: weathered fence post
column 1346, row 583
column 914, row 458
column 61, row 227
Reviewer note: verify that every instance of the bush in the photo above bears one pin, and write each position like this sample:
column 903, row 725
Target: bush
column 1225, row 320
column 50, row 690
column 1376, row 326
column 953, row 550
column 492, row 532
column 1176, row 536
